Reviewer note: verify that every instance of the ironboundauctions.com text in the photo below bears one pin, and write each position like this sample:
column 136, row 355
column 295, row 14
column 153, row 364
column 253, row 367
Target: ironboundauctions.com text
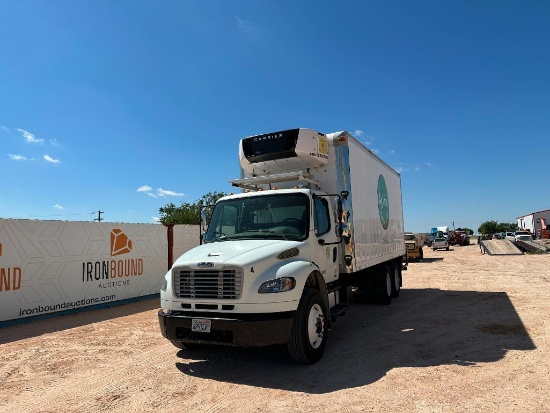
column 65, row 306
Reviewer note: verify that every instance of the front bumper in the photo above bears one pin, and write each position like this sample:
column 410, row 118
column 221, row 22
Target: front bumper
column 229, row 330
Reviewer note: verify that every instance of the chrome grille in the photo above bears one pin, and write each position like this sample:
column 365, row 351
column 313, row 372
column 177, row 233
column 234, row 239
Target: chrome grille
column 223, row 284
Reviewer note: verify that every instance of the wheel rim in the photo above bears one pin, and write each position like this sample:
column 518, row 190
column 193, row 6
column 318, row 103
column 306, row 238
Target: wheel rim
column 316, row 326
column 388, row 283
column 397, row 278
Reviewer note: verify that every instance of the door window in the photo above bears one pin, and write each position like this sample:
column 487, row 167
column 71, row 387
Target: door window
column 322, row 216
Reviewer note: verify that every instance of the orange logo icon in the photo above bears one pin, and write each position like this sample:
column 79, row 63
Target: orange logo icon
column 120, row 243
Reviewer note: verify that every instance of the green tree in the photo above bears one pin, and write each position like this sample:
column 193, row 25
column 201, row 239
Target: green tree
column 493, row 227
column 187, row 213
column 503, row 227
column 488, row 227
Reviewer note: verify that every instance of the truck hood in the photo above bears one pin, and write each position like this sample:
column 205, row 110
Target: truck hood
column 239, row 252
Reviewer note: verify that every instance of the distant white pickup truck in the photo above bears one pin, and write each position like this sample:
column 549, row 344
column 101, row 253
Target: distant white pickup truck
column 523, row 236
column 440, row 243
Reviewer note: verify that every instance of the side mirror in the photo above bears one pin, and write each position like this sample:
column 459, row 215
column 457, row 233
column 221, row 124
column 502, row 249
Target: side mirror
column 344, row 194
column 204, row 225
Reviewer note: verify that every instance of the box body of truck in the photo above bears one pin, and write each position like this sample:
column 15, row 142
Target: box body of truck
column 319, row 215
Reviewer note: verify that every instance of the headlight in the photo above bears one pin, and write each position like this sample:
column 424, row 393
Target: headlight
column 277, row 285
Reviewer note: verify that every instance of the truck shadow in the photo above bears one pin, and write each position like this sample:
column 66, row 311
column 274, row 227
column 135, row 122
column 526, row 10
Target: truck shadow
column 426, row 260
column 421, row 328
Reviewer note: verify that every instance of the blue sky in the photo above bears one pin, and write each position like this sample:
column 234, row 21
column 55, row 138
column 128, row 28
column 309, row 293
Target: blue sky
column 124, row 106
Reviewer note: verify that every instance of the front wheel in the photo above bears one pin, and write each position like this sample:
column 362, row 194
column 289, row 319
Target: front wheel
column 308, row 337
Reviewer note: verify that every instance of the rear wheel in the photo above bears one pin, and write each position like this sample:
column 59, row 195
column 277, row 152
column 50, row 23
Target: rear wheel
column 383, row 285
column 397, row 281
column 308, row 337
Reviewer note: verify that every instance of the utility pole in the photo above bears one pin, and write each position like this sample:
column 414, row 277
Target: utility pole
column 99, row 219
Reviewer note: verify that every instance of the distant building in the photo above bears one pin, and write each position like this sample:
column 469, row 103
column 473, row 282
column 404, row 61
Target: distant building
column 532, row 222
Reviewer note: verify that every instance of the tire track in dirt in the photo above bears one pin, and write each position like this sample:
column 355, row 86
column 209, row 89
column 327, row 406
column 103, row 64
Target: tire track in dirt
column 62, row 396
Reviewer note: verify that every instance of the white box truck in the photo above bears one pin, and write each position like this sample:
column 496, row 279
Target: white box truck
column 320, row 217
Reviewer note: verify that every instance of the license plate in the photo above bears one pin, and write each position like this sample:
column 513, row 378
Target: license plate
column 201, row 325
column 410, row 247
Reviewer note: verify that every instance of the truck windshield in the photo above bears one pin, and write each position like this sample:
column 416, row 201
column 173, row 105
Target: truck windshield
column 280, row 216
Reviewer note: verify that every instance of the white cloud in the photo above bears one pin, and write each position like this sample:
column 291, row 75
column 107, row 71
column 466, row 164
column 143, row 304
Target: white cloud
column 364, row 137
column 155, row 219
column 162, row 192
column 17, row 157
column 57, row 206
column 244, row 25
column 429, row 165
column 53, row 142
column 50, row 159
column 6, row 129
column 392, row 151
column 376, row 151
column 399, row 169
column 29, row 137
column 416, row 168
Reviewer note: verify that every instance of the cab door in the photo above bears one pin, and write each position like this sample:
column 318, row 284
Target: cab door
column 325, row 253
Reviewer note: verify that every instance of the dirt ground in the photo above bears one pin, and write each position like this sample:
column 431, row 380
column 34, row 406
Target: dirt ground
column 469, row 333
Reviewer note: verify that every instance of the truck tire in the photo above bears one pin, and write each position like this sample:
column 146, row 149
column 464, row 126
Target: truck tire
column 383, row 285
column 185, row 346
column 397, row 281
column 308, row 337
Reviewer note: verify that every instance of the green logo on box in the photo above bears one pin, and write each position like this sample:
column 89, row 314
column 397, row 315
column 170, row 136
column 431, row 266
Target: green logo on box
column 383, row 202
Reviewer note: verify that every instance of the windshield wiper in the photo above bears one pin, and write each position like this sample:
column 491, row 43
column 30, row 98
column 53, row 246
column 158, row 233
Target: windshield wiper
column 268, row 231
column 221, row 238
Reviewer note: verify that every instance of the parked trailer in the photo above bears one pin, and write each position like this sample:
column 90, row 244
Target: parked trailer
column 319, row 215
